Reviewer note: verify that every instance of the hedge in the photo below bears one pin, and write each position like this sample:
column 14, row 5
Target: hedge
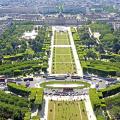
column 11, row 111
column 18, row 89
column 35, row 94
column 36, row 117
column 98, row 104
column 100, row 72
column 111, row 90
column 15, row 100
column 27, row 116
column 94, row 97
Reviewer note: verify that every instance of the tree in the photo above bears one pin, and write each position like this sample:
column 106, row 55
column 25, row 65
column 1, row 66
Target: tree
column 100, row 48
column 91, row 54
column 116, row 48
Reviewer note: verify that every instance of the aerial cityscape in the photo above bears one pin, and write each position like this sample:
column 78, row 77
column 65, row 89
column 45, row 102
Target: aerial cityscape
column 59, row 59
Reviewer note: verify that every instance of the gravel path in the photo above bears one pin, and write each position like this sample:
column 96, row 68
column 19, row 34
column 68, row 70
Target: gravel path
column 76, row 58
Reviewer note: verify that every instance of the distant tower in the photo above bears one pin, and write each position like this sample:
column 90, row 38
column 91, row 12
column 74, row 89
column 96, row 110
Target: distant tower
column 59, row 6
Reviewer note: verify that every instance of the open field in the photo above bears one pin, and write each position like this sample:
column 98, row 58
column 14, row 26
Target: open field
column 61, row 38
column 67, row 110
column 63, row 62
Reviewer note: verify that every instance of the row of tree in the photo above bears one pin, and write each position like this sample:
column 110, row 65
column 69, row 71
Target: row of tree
column 12, row 107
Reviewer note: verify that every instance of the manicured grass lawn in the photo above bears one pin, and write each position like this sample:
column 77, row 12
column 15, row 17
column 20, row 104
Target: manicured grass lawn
column 63, row 58
column 59, row 50
column 67, row 110
column 63, row 68
column 44, row 85
column 63, row 62
column 61, row 38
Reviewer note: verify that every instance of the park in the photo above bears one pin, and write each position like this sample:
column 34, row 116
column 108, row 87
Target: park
column 67, row 110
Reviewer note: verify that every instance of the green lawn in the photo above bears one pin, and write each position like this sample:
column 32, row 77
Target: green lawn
column 63, row 62
column 61, row 38
column 63, row 50
column 63, row 58
column 63, row 68
column 45, row 84
column 67, row 110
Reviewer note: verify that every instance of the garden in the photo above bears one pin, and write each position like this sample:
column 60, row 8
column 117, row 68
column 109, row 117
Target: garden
column 63, row 61
column 101, row 59
column 22, row 56
column 67, row 110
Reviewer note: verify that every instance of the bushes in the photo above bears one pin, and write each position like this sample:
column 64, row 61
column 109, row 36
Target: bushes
column 19, row 67
column 94, row 98
column 36, row 118
column 35, row 97
column 35, row 94
column 113, row 106
column 18, row 89
column 12, row 106
column 18, row 56
column 107, row 40
column 98, row 104
column 14, row 57
column 101, row 68
column 27, row 116
column 100, row 72
column 112, row 90
column 15, row 100
column 11, row 111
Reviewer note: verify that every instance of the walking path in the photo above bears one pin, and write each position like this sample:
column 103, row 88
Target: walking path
column 96, row 35
column 46, row 107
column 64, row 46
column 51, row 53
column 34, row 112
column 76, row 58
column 89, row 109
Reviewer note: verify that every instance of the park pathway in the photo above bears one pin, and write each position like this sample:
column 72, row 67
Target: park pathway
column 46, row 107
column 89, row 109
column 51, row 51
column 96, row 35
column 76, row 58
